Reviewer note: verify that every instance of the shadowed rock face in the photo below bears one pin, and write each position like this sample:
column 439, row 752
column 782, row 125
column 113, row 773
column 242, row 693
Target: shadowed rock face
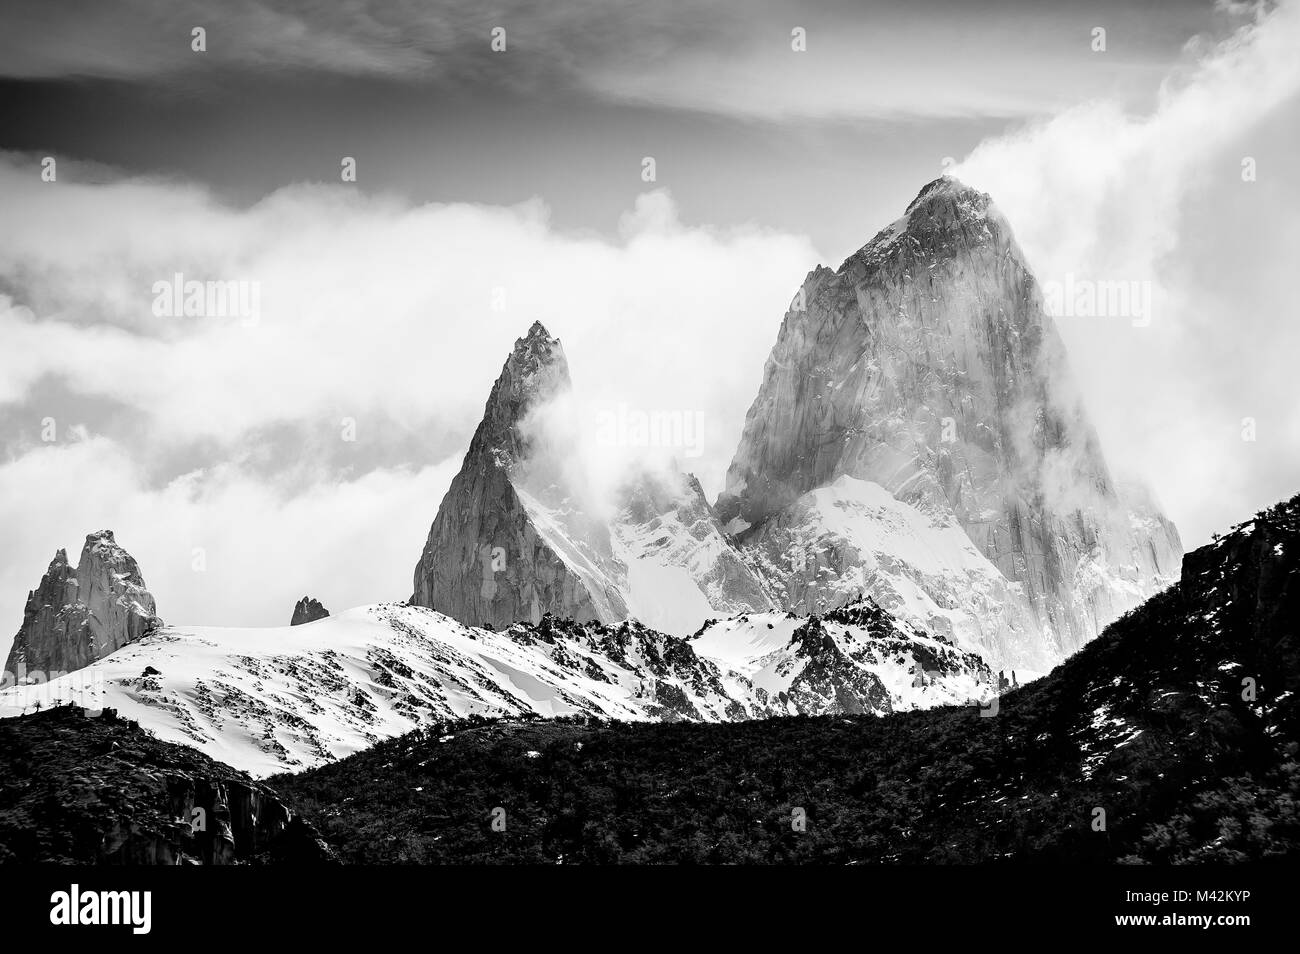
column 75, row 617
column 510, row 541
column 520, row 534
column 308, row 610
column 926, row 365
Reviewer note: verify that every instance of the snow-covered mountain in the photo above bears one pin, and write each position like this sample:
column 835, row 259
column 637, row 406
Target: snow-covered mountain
column 917, row 435
column 292, row 697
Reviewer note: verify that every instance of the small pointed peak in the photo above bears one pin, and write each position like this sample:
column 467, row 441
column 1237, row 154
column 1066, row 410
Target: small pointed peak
column 308, row 610
column 538, row 341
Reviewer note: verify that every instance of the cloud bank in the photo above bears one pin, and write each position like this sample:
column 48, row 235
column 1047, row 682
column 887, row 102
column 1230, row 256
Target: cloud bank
column 308, row 451
column 1171, row 200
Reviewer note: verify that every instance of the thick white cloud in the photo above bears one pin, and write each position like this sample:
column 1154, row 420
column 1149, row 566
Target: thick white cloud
column 1099, row 194
column 216, row 546
column 394, row 315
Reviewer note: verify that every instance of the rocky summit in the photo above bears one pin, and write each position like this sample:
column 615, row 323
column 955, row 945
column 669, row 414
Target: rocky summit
column 521, row 535
column 308, row 610
column 509, row 542
column 919, row 396
column 75, row 617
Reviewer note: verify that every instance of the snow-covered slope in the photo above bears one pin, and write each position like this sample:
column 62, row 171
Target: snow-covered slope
column 286, row 698
column 853, row 536
column 682, row 569
column 813, row 664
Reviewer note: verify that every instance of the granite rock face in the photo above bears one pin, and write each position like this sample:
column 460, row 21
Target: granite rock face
column 511, row 541
column 75, row 617
column 308, row 610
column 521, row 533
column 926, row 366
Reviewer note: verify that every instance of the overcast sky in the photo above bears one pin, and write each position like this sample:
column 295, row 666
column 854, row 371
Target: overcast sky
column 495, row 188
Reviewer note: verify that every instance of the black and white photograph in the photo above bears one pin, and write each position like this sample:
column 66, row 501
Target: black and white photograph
column 726, row 435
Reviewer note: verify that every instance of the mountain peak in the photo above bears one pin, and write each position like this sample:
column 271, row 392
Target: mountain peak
column 308, row 610
column 76, row 616
column 538, row 339
column 947, row 188
column 901, row 383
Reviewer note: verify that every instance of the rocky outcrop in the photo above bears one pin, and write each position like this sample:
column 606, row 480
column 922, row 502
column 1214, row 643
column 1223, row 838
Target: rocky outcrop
column 75, row 617
column 101, row 790
column 511, row 541
column 855, row 659
column 520, row 534
column 308, row 610
column 926, row 366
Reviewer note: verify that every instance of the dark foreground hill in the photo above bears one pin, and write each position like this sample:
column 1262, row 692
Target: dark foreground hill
column 84, row 789
column 1172, row 737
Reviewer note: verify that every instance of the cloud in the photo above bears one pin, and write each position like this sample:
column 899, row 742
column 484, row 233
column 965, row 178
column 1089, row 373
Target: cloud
column 376, row 316
column 1099, row 194
column 216, row 547
column 895, row 58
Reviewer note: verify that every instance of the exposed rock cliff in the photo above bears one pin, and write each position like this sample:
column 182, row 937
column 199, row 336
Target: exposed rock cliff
column 76, row 617
column 520, row 533
column 926, row 366
column 510, row 542
column 308, row 610
column 75, row 789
